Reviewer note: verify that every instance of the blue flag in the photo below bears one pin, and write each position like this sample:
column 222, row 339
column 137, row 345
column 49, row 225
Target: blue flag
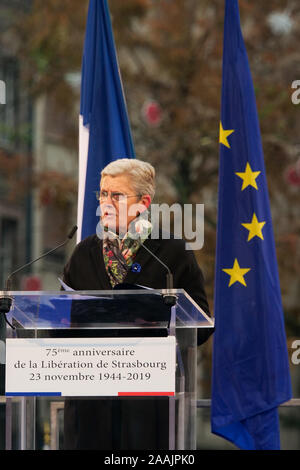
column 104, row 133
column 250, row 361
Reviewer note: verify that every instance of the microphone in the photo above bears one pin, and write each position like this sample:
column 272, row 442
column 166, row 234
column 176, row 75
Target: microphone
column 169, row 298
column 6, row 301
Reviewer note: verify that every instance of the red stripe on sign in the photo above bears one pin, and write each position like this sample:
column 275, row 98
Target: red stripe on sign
column 136, row 394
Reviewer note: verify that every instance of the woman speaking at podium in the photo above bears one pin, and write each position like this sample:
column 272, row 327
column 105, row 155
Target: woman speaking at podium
column 113, row 256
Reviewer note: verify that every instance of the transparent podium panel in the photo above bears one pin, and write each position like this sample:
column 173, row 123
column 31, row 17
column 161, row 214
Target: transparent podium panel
column 112, row 370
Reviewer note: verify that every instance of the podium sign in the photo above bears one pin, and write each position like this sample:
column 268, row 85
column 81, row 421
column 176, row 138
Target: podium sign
column 90, row 367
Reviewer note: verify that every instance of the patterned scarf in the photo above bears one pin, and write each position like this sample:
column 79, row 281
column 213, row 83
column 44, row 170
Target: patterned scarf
column 119, row 252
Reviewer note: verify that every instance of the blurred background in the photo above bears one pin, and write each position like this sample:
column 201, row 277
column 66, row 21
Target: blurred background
column 170, row 57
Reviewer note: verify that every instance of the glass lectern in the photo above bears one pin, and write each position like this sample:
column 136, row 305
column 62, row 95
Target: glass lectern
column 102, row 369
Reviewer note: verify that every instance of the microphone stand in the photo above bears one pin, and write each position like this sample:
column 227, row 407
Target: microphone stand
column 6, row 300
column 169, row 298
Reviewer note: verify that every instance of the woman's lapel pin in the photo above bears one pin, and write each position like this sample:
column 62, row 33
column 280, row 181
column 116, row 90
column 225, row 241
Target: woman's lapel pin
column 136, row 268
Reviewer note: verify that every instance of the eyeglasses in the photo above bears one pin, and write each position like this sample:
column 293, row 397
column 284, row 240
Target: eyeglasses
column 115, row 196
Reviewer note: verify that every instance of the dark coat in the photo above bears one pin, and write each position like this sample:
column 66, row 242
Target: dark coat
column 120, row 424
column 86, row 271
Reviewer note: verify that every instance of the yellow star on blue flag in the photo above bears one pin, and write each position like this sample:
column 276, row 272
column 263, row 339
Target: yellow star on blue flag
column 236, row 273
column 224, row 134
column 248, row 177
column 255, row 228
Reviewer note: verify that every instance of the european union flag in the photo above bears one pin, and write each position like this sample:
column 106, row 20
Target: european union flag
column 104, row 133
column 250, row 361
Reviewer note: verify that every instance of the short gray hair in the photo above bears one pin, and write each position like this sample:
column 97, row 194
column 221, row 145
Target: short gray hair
column 142, row 174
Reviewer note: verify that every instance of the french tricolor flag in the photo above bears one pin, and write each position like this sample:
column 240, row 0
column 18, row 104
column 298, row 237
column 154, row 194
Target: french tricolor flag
column 104, row 131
